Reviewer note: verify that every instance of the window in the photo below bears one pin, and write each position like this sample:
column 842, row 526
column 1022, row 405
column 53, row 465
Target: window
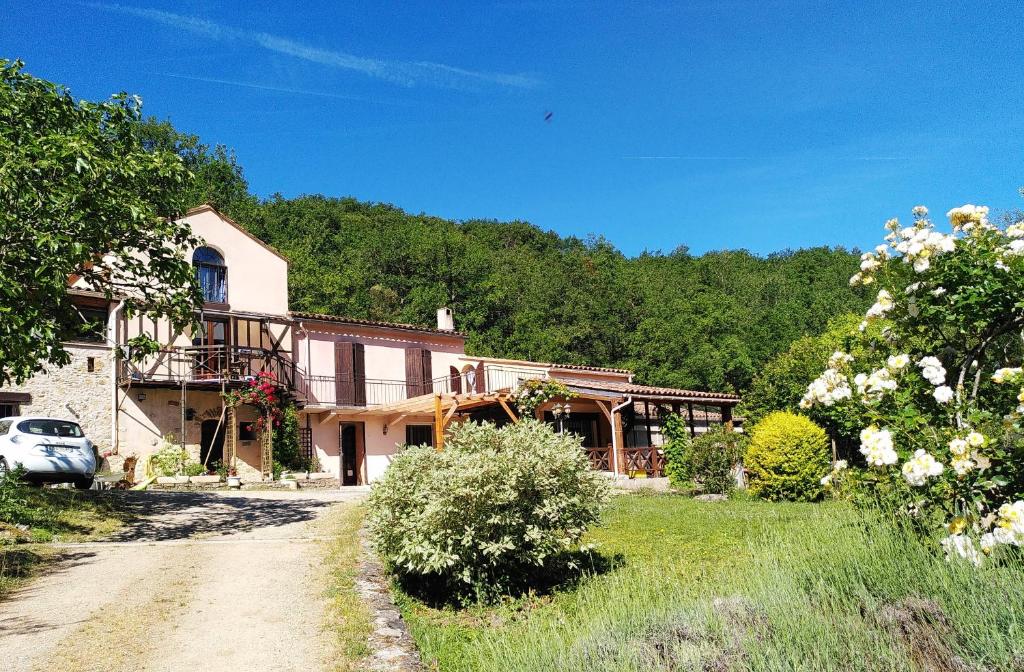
column 84, row 324
column 419, row 435
column 11, row 402
column 247, row 431
column 43, row 427
column 212, row 274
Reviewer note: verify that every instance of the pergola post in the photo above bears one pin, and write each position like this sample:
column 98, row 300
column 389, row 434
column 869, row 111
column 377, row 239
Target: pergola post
column 438, row 423
column 689, row 413
column 620, row 442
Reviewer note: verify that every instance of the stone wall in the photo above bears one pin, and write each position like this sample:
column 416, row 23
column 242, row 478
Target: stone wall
column 75, row 393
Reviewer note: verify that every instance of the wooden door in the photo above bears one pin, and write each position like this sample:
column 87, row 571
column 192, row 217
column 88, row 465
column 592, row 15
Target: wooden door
column 213, row 339
column 349, row 454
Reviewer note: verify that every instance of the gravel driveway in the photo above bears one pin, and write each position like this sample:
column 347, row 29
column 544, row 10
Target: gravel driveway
column 201, row 581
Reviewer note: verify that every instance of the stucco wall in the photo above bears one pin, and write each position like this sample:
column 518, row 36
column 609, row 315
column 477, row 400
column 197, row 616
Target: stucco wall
column 143, row 424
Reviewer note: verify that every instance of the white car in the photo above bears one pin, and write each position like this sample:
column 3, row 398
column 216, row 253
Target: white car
column 48, row 449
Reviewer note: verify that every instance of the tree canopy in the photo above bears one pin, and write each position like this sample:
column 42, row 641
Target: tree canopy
column 81, row 197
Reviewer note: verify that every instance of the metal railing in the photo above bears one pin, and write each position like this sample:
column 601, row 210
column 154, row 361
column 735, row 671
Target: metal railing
column 347, row 390
column 209, row 364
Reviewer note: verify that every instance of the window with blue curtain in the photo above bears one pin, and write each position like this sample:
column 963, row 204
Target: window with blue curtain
column 212, row 274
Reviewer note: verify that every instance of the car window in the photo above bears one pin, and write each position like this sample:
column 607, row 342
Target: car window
column 5, row 426
column 51, row 428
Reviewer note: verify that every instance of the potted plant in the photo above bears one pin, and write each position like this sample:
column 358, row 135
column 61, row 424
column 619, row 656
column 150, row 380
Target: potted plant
column 234, row 480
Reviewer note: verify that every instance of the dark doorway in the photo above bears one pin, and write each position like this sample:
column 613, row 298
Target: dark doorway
column 349, row 456
column 211, row 443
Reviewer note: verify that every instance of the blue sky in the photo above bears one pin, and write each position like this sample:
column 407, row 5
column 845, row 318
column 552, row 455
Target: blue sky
column 762, row 125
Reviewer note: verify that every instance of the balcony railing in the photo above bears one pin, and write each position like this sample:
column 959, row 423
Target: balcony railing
column 348, row 391
column 209, row 365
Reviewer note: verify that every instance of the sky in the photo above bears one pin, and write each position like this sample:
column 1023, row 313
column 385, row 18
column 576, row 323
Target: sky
column 757, row 125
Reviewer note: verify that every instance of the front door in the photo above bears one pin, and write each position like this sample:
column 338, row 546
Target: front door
column 211, row 443
column 214, row 340
column 349, row 455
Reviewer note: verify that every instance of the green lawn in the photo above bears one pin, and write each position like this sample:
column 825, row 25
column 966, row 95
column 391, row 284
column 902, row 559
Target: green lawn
column 744, row 585
column 31, row 515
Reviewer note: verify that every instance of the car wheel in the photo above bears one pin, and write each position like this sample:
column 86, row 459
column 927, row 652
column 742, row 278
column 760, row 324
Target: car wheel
column 4, row 469
column 84, row 482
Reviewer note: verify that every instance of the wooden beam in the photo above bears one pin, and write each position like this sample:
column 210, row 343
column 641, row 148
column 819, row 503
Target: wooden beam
column 689, row 413
column 451, row 412
column 607, row 413
column 327, row 417
column 438, row 423
column 727, row 417
column 619, row 441
column 508, row 410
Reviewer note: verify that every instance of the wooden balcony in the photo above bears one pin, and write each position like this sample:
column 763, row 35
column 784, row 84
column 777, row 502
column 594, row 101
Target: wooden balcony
column 208, row 366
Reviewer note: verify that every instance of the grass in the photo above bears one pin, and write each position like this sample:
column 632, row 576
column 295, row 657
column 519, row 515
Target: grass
column 30, row 516
column 745, row 585
column 347, row 616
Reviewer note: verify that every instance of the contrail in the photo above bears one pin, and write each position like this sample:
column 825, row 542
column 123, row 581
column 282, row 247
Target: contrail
column 406, row 73
column 280, row 89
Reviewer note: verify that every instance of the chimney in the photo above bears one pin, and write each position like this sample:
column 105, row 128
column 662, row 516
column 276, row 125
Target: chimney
column 445, row 321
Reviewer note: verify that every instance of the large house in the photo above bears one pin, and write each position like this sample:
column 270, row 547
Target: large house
column 363, row 388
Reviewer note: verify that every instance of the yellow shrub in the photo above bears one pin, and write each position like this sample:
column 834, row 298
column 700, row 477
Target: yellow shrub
column 787, row 457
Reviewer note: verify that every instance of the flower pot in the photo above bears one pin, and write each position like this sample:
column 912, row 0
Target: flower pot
column 205, row 479
column 234, row 482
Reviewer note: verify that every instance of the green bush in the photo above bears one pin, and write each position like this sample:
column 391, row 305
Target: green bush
column 489, row 514
column 787, row 457
column 171, row 459
column 677, row 444
column 712, row 457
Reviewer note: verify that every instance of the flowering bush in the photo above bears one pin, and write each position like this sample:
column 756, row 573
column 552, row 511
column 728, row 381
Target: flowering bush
column 787, row 457
column 261, row 392
column 941, row 417
column 486, row 514
column 533, row 393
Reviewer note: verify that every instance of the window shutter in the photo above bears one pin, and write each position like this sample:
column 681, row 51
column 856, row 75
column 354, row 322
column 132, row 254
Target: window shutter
column 344, row 386
column 481, row 384
column 413, row 372
column 359, row 374
column 427, row 372
column 456, row 379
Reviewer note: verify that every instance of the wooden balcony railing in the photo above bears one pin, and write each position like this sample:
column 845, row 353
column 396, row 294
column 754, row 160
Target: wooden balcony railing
column 600, row 458
column 646, row 460
column 210, row 365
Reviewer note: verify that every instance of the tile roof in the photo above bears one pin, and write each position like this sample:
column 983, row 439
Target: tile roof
column 625, row 388
column 322, row 317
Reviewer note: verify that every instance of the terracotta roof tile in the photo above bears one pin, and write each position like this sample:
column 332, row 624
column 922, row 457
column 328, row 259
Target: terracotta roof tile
column 323, row 317
column 623, row 387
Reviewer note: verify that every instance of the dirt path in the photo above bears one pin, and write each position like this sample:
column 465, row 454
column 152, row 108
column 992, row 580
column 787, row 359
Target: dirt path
column 202, row 581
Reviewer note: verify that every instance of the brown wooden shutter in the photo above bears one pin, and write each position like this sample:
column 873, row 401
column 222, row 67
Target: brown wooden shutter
column 481, row 384
column 413, row 372
column 426, row 372
column 456, row 380
column 359, row 374
column 344, row 382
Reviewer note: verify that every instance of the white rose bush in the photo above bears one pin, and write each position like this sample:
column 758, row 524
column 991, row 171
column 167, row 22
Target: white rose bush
column 941, row 401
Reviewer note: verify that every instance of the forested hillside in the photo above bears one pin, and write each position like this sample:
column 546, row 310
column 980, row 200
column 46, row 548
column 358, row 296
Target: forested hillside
column 706, row 321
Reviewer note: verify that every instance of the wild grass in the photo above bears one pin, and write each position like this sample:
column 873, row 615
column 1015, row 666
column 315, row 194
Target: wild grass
column 348, row 619
column 30, row 515
column 746, row 585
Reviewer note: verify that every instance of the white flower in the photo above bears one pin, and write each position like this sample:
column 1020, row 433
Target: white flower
column 922, row 466
column 919, row 211
column 958, row 447
column 874, row 386
column 1015, row 248
column 897, row 362
column 987, row 542
column 828, row 388
column 876, row 447
column 839, row 358
column 961, row 465
column 826, row 480
column 943, row 394
column 913, row 287
column 1007, row 374
column 883, row 304
column 840, row 465
column 938, row 291
column 882, row 251
column 1015, row 230
column 1010, row 524
column 868, row 262
column 966, row 215
column 975, row 439
column 932, row 370
column 960, row 545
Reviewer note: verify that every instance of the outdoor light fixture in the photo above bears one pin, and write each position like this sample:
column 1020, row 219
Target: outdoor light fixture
column 385, row 429
column 141, row 396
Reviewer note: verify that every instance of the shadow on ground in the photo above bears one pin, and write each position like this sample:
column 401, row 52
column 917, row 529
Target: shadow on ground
column 166, row 516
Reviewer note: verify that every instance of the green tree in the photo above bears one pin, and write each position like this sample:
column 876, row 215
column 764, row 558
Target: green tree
column 82, row 198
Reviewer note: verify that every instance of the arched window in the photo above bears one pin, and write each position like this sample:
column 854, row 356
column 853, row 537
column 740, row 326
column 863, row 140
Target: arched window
column 212, row 274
